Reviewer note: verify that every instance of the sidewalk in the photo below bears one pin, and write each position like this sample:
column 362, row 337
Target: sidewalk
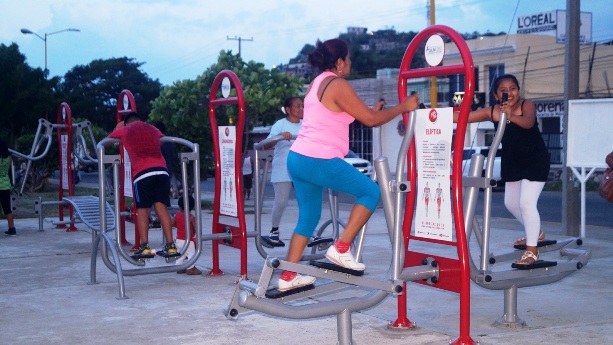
column 45, row 297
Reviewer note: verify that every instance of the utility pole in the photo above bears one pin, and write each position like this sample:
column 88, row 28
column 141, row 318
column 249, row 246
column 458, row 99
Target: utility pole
column 433, row 88
column 570, row 193
column 239, row 39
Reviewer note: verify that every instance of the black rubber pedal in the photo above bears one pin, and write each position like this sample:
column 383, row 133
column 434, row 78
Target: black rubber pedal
column 141, row 257
column 266, row 242
column 542, row 243
column 274, row 293
column 319, row 240
column 535, row 265
column 166, row 255
column 335, row 267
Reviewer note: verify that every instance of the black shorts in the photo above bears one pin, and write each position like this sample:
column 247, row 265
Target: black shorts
column 5, row 200
column 151, row 189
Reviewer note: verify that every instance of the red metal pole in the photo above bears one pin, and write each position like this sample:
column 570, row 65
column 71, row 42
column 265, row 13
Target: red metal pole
column 467, row 68
column 125, row 104
column 215, row 271
column 64, row 117
column 69, row 153
column 61, row 189
column 239, row 234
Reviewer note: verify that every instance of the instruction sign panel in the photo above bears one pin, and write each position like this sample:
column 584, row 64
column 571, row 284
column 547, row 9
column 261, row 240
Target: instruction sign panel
column 227, row 149
column 64, row 160
column 127, row 175
column 433, row 133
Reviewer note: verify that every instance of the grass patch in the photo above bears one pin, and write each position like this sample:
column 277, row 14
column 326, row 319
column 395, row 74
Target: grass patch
column 206, row 204
column 556, row 186
column 553, row 186
column 25, row 204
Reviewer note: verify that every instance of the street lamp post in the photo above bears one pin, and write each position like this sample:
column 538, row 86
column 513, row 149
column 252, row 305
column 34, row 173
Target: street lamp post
column 30, row 32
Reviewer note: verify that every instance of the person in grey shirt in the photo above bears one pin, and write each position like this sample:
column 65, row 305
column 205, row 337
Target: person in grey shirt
column 282, row 183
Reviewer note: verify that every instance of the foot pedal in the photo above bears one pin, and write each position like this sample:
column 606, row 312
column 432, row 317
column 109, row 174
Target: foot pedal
column 274, row 293
column 534, row 265
column 315, row 241
column 266, row 242
column 543, row 243
column 166, row 255
column 141, row 256
column 335, row 267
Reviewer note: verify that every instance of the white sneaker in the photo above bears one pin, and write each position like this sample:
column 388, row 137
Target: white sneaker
column 298, row 281
column 344, row 260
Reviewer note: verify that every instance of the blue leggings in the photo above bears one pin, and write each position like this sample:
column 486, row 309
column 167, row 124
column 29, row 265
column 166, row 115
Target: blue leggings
column 311, row 175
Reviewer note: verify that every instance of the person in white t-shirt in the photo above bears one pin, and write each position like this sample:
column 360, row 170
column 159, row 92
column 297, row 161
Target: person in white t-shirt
column 282, row 183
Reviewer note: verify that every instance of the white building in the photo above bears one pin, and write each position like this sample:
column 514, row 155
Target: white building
column 538, row 63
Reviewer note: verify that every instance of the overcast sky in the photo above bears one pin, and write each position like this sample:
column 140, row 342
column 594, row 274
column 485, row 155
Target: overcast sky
column 180, row 39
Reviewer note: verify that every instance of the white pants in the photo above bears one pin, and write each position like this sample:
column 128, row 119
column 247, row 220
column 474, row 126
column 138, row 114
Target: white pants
column 520, row 198
column 191, row 250
column 282, row 193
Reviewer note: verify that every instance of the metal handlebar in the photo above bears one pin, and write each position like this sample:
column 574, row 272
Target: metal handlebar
column 502, row 124
column 85, row 158
column 264, row 143
column 48, row 128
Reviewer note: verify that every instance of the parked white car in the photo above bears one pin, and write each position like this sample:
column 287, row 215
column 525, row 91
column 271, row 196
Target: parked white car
column 484, row 150
column 361, row 164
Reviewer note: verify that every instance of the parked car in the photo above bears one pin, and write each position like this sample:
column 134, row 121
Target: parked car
column 484, row 150
column 359, row 163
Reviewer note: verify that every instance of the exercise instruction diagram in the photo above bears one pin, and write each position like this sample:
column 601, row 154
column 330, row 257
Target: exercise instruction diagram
column 227, row 149
column 433, row 133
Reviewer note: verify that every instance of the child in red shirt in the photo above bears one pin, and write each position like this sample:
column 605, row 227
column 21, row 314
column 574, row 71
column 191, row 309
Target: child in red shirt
column 179, row 222
column 151, row 182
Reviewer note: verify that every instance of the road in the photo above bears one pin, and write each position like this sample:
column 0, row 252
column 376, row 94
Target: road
column 599, row 212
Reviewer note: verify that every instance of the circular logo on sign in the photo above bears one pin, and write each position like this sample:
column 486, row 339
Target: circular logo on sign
column 227, row 131
column 225, row 87
column 434, row 50
column 433, row 116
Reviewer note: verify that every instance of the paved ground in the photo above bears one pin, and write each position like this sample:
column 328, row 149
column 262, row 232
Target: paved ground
column 45, row 297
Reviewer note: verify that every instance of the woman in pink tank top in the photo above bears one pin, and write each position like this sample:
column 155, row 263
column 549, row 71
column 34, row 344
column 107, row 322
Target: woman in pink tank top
column 315, row 160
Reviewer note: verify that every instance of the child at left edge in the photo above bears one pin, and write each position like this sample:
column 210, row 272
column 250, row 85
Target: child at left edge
column 179, row 222
column 5, row 187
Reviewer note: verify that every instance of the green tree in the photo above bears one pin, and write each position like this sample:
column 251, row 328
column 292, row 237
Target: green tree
column 183, row 107
column 25, row 95
column 91, row 91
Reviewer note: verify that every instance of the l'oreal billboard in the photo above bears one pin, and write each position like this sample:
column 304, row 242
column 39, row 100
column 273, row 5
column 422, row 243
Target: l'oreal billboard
column 554, row 23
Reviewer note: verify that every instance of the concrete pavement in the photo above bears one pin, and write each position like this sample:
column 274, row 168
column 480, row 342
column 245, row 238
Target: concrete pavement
column 45, row 296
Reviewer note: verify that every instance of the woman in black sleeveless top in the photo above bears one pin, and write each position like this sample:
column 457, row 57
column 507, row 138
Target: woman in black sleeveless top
column 524, row 160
